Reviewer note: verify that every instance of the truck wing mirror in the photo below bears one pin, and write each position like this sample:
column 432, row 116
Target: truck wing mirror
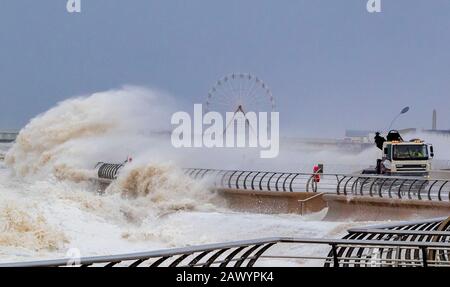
column 385, row 151
column 431, row 151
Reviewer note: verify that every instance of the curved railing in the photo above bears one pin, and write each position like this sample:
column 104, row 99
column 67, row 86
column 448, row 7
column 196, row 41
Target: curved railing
column 108, row 170
column 259, row 180
column 365, row 253
column 398, row 187
column 421, row 244
column 426, row 231
column 240, row 253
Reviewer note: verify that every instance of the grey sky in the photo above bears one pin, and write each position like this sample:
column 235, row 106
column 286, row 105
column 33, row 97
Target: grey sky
column 330, row 64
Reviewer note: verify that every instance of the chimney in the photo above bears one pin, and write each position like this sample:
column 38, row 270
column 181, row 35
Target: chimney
column 434, row 120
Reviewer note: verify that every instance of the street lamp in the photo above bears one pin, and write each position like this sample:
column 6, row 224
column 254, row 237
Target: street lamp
column 403, row 111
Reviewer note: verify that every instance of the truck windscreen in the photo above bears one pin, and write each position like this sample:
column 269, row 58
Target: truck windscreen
column 410, row 152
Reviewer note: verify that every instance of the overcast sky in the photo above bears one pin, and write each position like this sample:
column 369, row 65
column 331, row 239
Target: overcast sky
column 330, row 64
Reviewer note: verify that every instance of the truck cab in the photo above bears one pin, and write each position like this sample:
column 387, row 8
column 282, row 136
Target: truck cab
column 406, row 158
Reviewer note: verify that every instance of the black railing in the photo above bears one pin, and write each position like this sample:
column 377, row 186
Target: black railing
column 422, row 243
column 108, row 170
column 398, row 187
column 367, row 253
column 426, row 231
column 240, row 253
column 264, row 180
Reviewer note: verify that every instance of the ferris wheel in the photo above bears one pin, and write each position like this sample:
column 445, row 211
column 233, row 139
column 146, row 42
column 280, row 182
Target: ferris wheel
column 240, row 93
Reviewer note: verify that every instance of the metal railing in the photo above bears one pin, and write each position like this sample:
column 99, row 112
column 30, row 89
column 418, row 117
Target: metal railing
column 422, row 244
column 397, row 187
column 108, row 171
column 425, row 231
column 236, row 253
column 419, row 188
column 247, row 253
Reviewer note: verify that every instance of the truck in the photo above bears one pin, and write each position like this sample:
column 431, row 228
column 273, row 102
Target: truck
column 402, row 158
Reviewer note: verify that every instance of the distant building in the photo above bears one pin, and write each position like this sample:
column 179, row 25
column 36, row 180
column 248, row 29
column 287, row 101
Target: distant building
column 434, row 129
column 6, row 137
column 359, row 136
column 437, row 132
column 434, row 121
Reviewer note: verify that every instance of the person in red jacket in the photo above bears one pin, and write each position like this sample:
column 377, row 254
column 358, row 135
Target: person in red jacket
column 316, row 171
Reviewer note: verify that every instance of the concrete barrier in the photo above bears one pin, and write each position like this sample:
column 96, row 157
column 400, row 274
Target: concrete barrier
column 366, row 208
column 440, row 174
column 273, row 202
